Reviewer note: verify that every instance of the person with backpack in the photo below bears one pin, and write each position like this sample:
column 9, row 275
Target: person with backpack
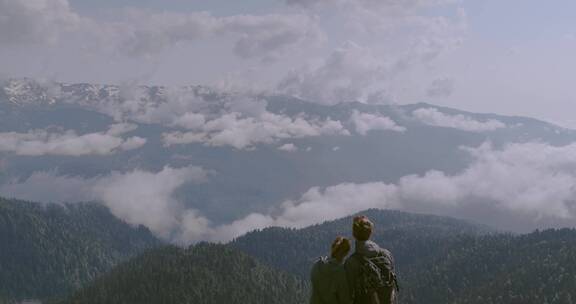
column 328, row 276
column 370, row 269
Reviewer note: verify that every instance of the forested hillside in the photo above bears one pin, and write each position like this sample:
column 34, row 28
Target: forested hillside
column 539, row 267
column 441, row 260
column 201, row 274
column 51, row 250
column 411, row 237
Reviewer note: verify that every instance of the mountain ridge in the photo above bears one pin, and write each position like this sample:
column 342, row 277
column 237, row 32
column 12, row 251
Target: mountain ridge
column 27, row 91
column 51, row 249
column 451, row 264
column 262, row 151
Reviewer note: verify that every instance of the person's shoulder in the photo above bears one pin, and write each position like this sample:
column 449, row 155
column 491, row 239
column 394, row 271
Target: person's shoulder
column 375, row 246
column 320, row 261
column 386, row 251
column 351, row 261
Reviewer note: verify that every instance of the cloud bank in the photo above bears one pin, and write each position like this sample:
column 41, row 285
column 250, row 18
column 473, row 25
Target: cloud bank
column 244, row 132
column 433, row 117
column 531, row 182
column 68, row 143
column 147, row 198
column 141, row 32
column 35, row 22
column 255, row 36
column 365, row 122
column 138, row 197
column 391, row 39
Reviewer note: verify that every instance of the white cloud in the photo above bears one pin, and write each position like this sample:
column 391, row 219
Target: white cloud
column 266, row 35
column 146, row 198
column 531, row 181
column 392, row 39
column 433, row 117
column 171, row 106
column 42, row 142
column 369, row 72
column 343, row 77
column 132, row 143
column 321, row 204
column 35, row 21
column 365, row 122
column 141, row 32
column 240, row 132
column 253, row 36
column 190, row 121
column 367, row 4
column 138, row 197
column 288, row 147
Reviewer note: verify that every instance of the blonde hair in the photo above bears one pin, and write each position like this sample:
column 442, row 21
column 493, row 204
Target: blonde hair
column 340, row 247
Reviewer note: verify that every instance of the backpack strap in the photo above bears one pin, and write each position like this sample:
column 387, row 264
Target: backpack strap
column 394, row 278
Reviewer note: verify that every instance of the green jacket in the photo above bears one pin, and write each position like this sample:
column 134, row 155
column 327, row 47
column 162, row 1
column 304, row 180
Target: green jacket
column 329, row 285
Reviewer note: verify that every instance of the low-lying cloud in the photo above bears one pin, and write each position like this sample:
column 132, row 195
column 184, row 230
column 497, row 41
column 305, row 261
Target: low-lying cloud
column 241, row 132
column 290, row 147
column 138, row 197
column 69, row 143
column 534, row 183
column 147, row 198
column 433, row 117
column 365, row 122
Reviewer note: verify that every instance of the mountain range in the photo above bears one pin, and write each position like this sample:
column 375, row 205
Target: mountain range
column 101, row 178
column 58, row 142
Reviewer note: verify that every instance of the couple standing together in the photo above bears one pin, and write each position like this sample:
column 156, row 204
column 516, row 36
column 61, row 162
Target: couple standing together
column 365, row 277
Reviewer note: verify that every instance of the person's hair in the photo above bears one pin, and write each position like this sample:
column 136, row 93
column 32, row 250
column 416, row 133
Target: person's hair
column 340, row 247
column 362, row 228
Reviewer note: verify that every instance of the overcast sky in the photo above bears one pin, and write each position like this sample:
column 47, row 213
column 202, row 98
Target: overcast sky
column 509, row 57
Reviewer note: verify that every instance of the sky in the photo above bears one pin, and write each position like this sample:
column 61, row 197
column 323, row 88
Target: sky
column 510, row 57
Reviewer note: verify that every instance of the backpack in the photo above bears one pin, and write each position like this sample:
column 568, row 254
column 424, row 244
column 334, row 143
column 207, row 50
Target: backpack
column 376, row 281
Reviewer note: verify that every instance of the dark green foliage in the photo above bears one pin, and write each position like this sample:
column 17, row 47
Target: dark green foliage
column 202, row 274
column 411, row 237
column 51, row 250
column 535, row 268
column 441, row 260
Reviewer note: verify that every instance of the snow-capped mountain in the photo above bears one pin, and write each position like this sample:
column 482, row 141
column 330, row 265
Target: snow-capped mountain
column 214, row 158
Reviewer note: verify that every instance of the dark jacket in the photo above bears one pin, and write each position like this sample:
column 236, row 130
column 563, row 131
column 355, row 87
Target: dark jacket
column 329, row 285
column 353, row 267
